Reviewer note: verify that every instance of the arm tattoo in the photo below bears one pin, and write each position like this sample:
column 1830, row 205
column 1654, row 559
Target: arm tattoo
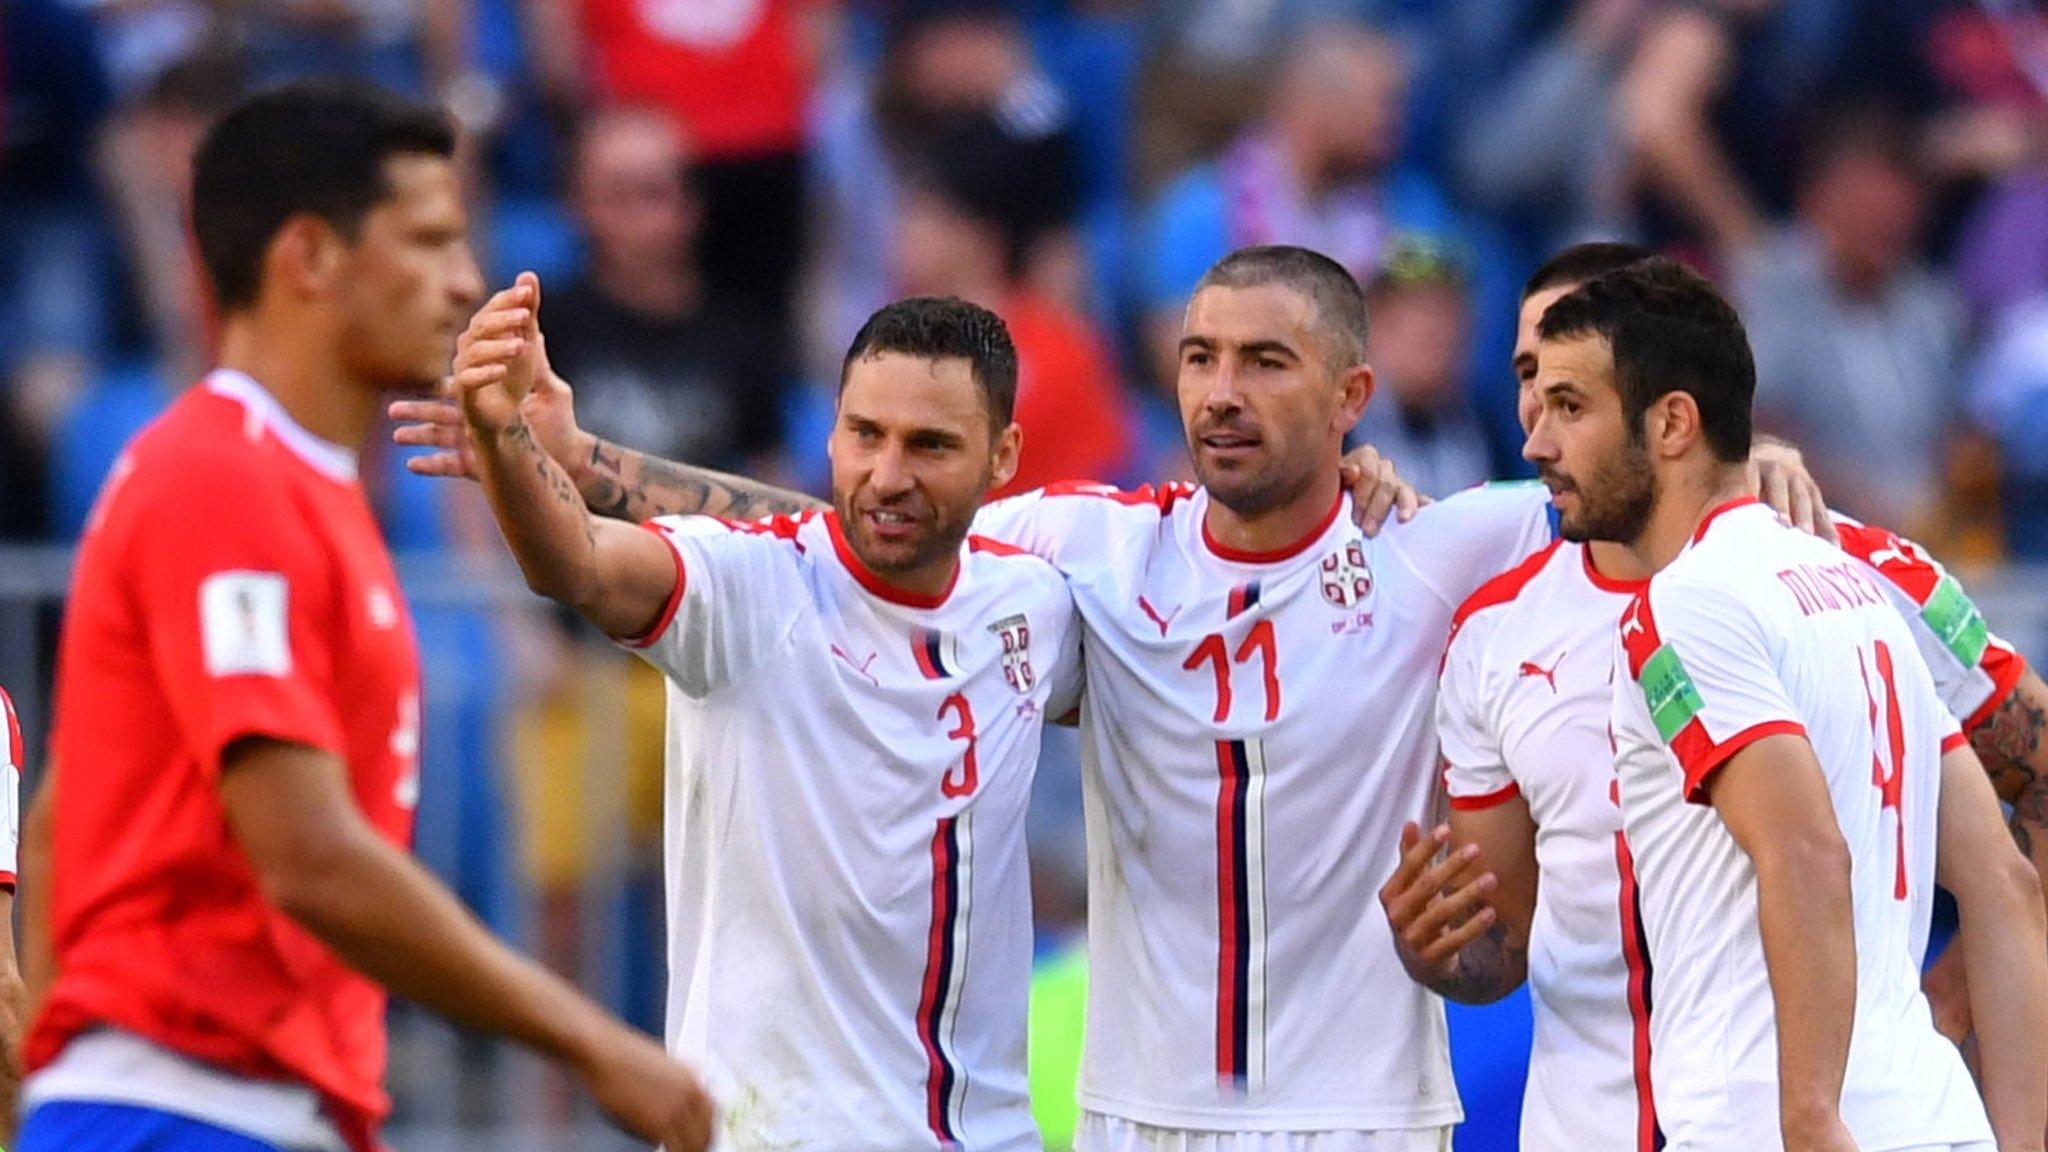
column 1488, row 969
column 551, row 474
column 2010, row 742
column 628, row 485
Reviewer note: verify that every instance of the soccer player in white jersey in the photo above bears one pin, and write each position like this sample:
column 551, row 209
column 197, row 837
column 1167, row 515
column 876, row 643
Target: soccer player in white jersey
column 1522, row 717
column 856, row 698
column 1256, row 729
column 1787, row 820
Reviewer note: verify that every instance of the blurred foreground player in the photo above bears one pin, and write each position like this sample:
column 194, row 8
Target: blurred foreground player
column 1791, row 786
column 1522, row 715
column 13, row 998
column 237, row 699
column 856, row 699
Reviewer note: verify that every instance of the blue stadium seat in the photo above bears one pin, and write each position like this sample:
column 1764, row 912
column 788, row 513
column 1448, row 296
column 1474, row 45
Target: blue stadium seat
column 89, row 438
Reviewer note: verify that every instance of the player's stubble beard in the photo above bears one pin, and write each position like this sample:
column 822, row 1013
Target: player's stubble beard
column 945, row 529
column 1615, row 502
column 1253, row 490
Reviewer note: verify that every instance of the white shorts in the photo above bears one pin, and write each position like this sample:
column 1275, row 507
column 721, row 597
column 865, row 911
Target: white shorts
column 1099, row 1132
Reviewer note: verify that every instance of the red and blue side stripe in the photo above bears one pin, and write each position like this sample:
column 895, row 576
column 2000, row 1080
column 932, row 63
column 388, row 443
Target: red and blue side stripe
column 1240, row 914
column 1635, row 945
column 1243, row 598
column 945, row 964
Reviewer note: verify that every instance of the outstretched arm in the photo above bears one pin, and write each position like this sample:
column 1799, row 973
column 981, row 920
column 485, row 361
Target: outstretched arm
column 613, row 481
column 629, row 485
column 617, row 576
column 2004, row 940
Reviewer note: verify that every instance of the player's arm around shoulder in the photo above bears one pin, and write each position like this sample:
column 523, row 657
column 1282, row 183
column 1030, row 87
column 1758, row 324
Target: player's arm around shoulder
column 619, row 577
column 1458, row 543
column 2004, row 939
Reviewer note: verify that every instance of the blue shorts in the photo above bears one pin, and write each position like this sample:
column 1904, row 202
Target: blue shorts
column 89, row 1126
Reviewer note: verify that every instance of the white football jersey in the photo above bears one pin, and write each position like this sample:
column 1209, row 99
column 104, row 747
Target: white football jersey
column 849, row 907
column 13, row 758
column 1255, row 730
column 1756, row 630
column 1527, row 690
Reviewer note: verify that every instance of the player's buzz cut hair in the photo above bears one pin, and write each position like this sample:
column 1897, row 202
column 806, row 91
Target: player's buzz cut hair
column 946, row 328
column 1669, row 331
column 313, row 148
column 1581, row 262
column 1340, row 315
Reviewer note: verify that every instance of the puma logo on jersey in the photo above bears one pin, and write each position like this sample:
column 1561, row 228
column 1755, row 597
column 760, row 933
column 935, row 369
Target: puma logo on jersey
column 1633, row 622
column 1549, row 675
column 862, row 668
column 1145, row 606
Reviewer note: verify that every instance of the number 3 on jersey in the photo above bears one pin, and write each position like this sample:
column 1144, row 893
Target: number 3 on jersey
column 969, row 776
column 1891, row 786
column 1259, row 641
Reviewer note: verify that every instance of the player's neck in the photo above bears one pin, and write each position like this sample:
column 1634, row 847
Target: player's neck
column 1683, row 504
column 312, row 387
column 1616, row 561
column 1275, row 530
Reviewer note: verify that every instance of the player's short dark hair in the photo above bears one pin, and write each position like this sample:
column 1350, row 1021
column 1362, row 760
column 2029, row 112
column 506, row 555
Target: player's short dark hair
column 317, row 148
column 1581, row 262
column 1339, row 302
column 1669, row 331
column 946, row 328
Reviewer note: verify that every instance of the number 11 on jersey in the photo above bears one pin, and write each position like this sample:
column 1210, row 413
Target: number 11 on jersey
column 1259, row 641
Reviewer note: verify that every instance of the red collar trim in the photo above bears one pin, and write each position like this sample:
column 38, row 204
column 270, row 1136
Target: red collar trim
column 1240, row 556
column 1707, row 522
column 875, row 585
column 1608, row 583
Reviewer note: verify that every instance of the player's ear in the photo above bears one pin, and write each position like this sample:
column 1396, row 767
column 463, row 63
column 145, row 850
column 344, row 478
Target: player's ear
column 1355, row 392
column 1674, row 423
column 1009, row 449
column 305, row 256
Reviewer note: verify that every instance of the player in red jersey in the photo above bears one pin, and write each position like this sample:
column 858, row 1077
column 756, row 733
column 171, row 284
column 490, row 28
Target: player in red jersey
column 237, row 700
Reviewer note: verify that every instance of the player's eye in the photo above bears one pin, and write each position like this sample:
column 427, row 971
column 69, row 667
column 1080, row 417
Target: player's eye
column 1196, row 356
column 1269, row 364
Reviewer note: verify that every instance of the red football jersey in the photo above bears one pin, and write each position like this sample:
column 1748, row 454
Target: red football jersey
column 730, row 70
column 231, row 583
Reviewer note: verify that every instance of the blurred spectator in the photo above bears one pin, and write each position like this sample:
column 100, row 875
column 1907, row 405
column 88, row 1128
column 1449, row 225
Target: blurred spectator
column 1541, row 145
column 1857, row 341
column 2002, row 256
column 2009, row 402
column 1319, row 169
column 949, row 67
column 661, row 362
column 145, row 160
column 966, row 220
column 1419, row 417
column 1708, row 101
column 737, row 75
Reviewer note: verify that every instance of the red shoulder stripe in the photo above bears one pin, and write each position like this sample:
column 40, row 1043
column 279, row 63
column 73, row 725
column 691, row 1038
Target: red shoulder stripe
column 1160, row 496
column 994, row 547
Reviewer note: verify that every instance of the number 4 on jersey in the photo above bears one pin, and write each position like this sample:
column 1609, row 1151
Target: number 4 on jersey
column 1891, row 786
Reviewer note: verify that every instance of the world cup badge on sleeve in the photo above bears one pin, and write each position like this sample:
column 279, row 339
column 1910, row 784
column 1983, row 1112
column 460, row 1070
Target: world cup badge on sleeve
column 1015, row 633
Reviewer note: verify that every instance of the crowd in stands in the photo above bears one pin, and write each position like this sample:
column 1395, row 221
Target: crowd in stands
column 721, row 189
column 716, row 192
